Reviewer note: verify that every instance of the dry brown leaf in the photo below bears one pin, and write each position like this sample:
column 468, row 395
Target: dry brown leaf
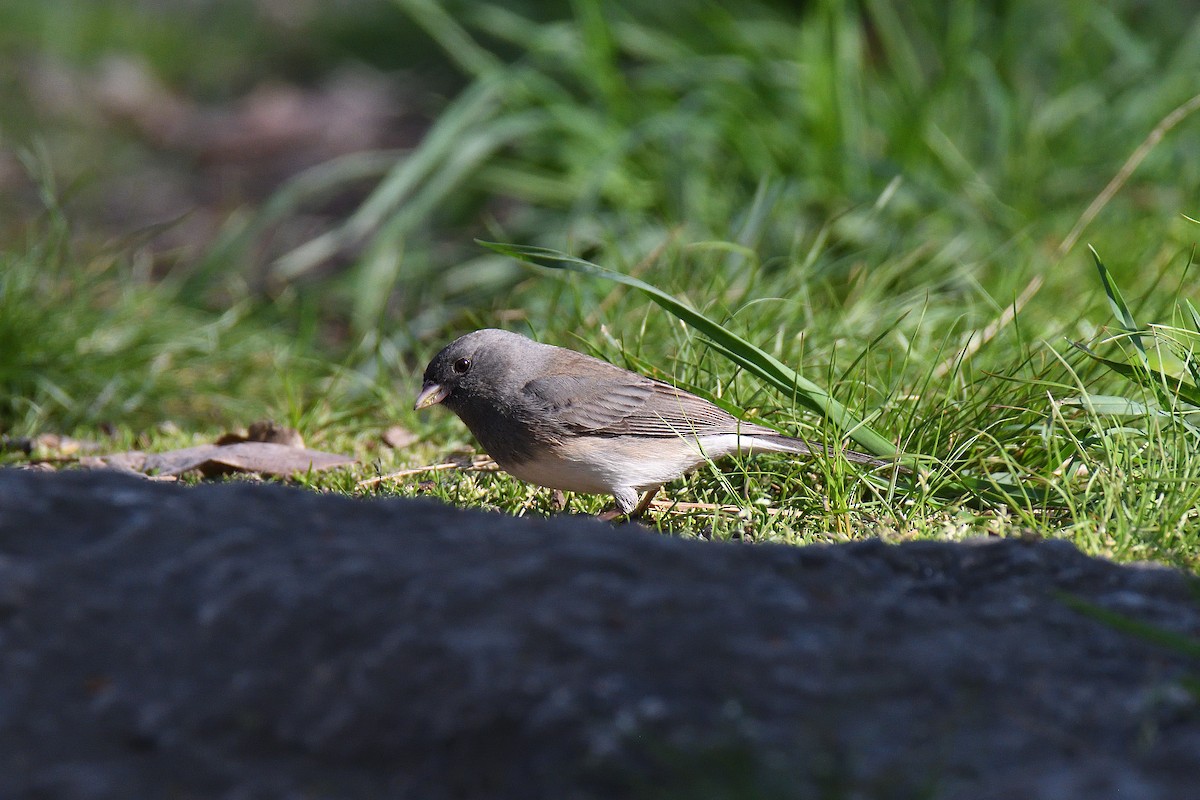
column 267, row 458
column 267, row 430
column 129, row 461
column 399, row 437
column 270, row 431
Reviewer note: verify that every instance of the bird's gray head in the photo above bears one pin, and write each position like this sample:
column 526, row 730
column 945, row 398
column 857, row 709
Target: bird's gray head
column 488, row 365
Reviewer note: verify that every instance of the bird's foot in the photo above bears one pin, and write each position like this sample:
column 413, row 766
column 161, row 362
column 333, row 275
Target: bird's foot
column 635, row 513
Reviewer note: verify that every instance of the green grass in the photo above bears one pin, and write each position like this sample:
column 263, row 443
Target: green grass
column 890, row 199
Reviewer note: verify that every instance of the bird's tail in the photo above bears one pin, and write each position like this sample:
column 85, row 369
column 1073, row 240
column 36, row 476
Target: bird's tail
column 778, row 443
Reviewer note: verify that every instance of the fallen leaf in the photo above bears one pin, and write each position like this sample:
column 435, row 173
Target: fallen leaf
column 267, row 430
column 129, row 461
column 398, row 437
column 267, row 458
column 232, row 437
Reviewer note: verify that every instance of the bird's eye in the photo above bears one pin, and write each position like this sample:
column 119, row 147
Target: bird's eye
column 462, row 365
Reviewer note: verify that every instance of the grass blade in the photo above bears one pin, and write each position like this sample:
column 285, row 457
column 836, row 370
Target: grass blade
column 1171, row 387
column 1120, row 307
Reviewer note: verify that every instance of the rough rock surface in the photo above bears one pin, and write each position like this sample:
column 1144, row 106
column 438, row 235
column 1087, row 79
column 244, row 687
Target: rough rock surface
column 244, row 641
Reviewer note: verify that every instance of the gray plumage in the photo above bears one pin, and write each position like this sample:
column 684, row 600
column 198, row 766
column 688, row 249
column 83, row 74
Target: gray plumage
column 566, row 420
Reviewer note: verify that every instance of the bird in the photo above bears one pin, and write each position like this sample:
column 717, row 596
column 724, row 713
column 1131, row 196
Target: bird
column 562, row 419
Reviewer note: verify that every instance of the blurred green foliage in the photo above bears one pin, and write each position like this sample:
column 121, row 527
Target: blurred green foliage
column 829, row 139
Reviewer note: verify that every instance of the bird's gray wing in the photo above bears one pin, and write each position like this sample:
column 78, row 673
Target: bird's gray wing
column 616, row 402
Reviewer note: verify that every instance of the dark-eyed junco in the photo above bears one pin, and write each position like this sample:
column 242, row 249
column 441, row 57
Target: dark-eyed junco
column 565, row 420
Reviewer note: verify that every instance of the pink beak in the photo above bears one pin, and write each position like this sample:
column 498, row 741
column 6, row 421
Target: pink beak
column 431, row 394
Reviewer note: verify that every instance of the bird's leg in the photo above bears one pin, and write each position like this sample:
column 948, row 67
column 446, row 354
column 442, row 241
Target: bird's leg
column 644, row 504
column 627, row 506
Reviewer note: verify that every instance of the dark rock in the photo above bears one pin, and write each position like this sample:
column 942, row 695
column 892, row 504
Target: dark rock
column 246, row 641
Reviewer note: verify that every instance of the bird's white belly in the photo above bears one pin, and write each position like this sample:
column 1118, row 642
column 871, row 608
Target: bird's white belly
column 597, row 465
